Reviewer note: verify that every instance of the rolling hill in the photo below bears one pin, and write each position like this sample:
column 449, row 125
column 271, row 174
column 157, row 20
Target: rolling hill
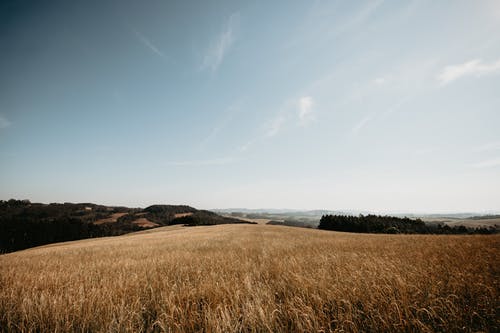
column 24, row 224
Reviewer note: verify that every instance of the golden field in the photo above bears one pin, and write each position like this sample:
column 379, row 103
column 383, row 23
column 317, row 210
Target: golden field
column 253, row 278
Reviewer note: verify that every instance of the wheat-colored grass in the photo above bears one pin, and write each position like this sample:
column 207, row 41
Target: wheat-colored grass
column 144, row 223
column 250, row 278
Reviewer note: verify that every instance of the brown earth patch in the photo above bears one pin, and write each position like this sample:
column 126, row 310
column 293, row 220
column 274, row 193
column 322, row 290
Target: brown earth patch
column 113, row 218
column 182, row 215
column 145, row 223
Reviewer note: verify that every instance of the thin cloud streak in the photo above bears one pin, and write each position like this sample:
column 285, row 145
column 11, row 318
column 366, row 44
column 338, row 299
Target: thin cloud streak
column 146, row 42
column 214, row 161
column 274, row 126
column 271, row 128
column 246, row 145
column 231, row 112
column 360, row 17
column 318, row 26
column 474, row 67
column 219, row 48
column 396, row 106
column 361, row 124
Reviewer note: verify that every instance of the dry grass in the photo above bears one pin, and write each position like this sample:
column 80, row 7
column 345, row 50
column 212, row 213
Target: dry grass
column 144, row 223
column 232, row 278
column 113, row 218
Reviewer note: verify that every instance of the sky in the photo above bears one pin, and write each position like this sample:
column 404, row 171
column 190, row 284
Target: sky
column 385, row 106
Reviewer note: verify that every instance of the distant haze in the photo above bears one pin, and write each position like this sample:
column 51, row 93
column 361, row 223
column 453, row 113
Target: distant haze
column 383, row 106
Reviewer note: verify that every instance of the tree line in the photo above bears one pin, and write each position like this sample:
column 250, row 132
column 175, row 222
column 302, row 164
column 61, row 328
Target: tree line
column 24, row 224
column 392, row 225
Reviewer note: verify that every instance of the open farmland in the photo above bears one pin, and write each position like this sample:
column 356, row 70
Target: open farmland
column 228, row 278
column 469, row 223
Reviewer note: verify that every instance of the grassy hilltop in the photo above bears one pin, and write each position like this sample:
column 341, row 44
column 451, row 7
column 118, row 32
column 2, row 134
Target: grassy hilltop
column 230, row 278
column 24, row 224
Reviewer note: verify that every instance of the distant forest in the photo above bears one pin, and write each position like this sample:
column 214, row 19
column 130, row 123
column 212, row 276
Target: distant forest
column 392, row 225
column 24, row 224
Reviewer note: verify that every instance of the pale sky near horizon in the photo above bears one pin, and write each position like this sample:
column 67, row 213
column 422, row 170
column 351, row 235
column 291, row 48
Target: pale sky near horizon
column 386, row 106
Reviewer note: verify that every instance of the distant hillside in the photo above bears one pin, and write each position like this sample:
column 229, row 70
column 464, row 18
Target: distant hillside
column 24, row 224
column 311, row 218
column 307, row 219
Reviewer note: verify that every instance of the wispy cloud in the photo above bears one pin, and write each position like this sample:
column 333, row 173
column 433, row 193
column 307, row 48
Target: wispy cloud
column 215, row 131
column 474, row 67
column 361, row 16
column 297, row 108
column 270, row 129
column 305, row 113
column 231, row 112
column 380, row 80
column 147, row 42
column 487, row 164
column 274, row 125
column 323, row 22
column 246, row 145
column 221, row 45
column 397, row 106
column 362, row 123
column 4, row 122
column 214, row 161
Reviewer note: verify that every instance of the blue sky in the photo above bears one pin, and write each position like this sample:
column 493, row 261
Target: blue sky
column 388, row 106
